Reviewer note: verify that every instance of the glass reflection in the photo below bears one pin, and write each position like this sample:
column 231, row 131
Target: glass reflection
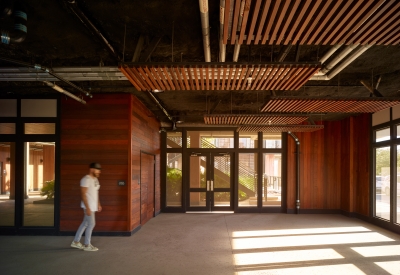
column 247, row 192
column 39, row 184
column 272, row 180
column 174, row 179
column 382, row 182
column 7, row 183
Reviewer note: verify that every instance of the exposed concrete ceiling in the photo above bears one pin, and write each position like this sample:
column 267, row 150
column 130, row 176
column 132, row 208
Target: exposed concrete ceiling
column 56, row 38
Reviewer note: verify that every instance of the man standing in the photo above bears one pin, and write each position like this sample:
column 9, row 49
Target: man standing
column 90, row 203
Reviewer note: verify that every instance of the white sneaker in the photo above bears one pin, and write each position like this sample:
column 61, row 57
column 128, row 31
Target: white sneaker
column 77, row 245
column 89, row 248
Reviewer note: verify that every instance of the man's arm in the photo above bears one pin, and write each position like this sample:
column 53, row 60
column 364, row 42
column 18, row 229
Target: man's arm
column 84, row 199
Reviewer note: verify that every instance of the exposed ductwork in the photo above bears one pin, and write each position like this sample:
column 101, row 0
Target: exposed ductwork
column 18, row 13
column 205, row 26
column 73, row 6
column 330, row 70
column 222, row 46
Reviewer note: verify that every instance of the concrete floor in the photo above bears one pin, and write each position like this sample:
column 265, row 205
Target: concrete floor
column 216, row 244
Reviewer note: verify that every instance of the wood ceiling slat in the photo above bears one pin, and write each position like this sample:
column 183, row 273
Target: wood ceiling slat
column 142, row 82
column 391, row 41
column 296, row 83
column 307, row 18
column 131, row 78
column 357, row 21
column 224, row 77
column 269, row 78
column 168, row 78
column 177, row 72
column 170, row 71
column 260, row 119
column 253, row 21
column 234, row 80
column 207, row 80
column 161, row 75
column 286, row 82
column 339, row 31
column 274, row 78
column 307, row 75
column 235, row 21
column 332, row 105
column 230, row 75
column 325, row 6
column 196, row 78
column 151, row 78
column 296, row 24
column 226, row 20
column 183, row 71
column 279, row 22
column 271, row 21
column 241, row 77
column 385, row 11
column 326, row 17
column 296, row 74
column 244, row 20
column 245, row 81
column 212, row 78
column 280, row 128
column 279, row 80
column 155, row 74
column 142, row 73
column 262, row 21
column 383, row 30
column 335, row 18
column 288, row 21
column 268, row 71
column 202, row 78
column 256, row 79
column 190, row 78
column 218, row 70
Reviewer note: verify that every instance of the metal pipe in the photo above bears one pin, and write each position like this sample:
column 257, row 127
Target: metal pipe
column 160, row 105
column 205, row 26
column 343, row 65
column 72, row 4
column 61, row 90
column 337, row 59
column 222, row 46
column 236, row 51
column 297, row 171
column 47, row 70
column 330, row 52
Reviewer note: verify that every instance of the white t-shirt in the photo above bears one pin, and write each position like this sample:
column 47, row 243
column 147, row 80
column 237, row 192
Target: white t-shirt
column 92, row 193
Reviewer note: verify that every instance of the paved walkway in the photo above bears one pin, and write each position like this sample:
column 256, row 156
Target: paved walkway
column 216, row 244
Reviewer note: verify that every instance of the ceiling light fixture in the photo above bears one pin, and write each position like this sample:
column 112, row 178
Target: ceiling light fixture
column 158, row 91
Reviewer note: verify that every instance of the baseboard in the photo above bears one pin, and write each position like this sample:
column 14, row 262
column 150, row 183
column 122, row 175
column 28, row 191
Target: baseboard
column 157, row 213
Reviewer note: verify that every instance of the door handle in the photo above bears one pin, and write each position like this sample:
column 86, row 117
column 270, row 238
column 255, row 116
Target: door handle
column 208, row 185
column 212, row 185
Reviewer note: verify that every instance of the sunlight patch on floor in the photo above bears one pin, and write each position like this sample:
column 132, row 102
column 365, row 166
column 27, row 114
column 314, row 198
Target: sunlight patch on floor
column 378, row 251
column 256, row 258
column 392, row 267
column 306, row 240
column 309, row 270
column 260, row 233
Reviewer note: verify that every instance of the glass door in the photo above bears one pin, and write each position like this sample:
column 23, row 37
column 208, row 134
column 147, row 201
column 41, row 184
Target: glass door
column 210, row 182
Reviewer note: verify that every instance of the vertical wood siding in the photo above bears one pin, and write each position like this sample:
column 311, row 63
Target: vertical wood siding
column 334, row 167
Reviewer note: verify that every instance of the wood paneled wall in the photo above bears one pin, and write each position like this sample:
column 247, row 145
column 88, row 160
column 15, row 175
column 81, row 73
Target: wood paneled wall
column 145, row 137
column 105, row 131
column 334, row 163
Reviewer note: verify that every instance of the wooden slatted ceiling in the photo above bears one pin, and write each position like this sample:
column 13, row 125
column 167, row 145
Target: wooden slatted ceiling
column 226, row 119
column 312, row 22
column 279, row 128
column 213, row 76
column 328, row 105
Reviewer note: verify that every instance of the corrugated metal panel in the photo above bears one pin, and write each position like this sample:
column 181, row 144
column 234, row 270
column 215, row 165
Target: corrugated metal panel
column 280, row 128
column 225, row 119
column 328, row 105
column 214, row 76
column 313, row 22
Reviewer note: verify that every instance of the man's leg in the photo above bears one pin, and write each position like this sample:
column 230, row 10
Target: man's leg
column 82, row 227
column 91, row 222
